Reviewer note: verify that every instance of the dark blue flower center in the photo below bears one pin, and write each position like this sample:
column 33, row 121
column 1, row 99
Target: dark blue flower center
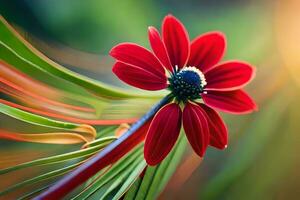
column 186, row 85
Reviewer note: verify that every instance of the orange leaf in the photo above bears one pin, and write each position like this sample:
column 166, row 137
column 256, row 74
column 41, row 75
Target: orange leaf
column 83, row 133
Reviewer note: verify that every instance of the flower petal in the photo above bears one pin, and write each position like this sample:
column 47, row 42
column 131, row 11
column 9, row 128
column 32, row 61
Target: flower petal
column 176, row 40
column 136, row 55
column 159, row 48
column 139, row 77
column 163, row 133
column 235, row 102
column 196, row 127
column 229, row 76
column 217, row 128
column 207, row 50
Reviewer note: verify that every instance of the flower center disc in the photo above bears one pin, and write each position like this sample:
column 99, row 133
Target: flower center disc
column 187, row 84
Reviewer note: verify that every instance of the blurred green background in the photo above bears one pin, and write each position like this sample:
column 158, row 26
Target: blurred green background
column 262, row 160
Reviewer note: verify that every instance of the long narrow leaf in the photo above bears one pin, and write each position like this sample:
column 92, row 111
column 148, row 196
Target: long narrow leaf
column 61, row 158
column 39, row 178
column 156, row 178
column 25, row 50
column 111, row 174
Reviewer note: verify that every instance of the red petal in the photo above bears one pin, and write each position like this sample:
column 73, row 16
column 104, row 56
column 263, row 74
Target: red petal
column 163, row 133
column 229, row 76
column 196, row 127
column 235, row 102
column 139, row 77
column 217, row 128
column 159, row 48
column 176, row 40
column 136, row 55
column 207, row 50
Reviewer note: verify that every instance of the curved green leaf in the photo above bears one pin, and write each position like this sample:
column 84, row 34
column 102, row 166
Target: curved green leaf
column 24, row 50
column 39, row 178
column 156, row 177
column 123, row 166
column 35, row 119
column 83, row 153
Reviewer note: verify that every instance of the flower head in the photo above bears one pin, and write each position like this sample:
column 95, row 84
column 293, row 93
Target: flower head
column 197, row 81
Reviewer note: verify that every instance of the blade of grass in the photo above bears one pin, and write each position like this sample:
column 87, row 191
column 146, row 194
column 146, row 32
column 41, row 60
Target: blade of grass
column 114, row 171
column 130, row 180
column 124, row 176
column 39, row 178
column 35, row 119
column 133, row 190
column 33, row 193
column 156, row 178
column 83, row 153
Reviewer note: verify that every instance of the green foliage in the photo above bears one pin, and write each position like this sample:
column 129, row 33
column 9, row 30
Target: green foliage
column 35, row 119
column 109, row 102
column 155, row 178
column 20, row 50
column 79, row 154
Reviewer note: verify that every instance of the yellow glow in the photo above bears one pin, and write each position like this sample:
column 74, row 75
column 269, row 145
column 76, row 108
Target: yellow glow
column 287, row 26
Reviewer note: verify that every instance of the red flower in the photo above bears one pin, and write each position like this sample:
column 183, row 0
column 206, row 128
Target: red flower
column 191, row 71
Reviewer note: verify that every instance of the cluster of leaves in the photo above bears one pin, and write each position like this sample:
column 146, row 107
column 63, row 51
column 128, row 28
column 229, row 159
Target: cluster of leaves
column 73, row 109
